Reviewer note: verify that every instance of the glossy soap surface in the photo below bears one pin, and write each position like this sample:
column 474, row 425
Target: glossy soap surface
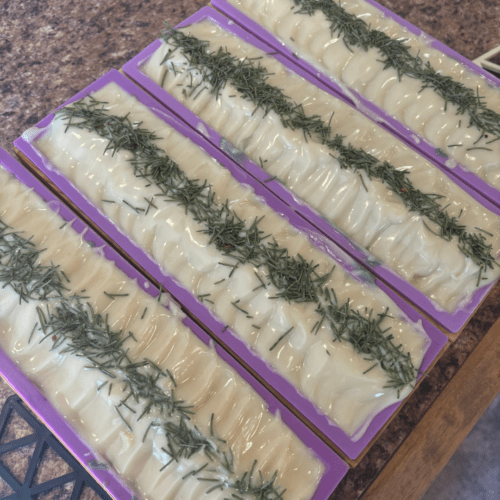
column 446, row 20
column 424, row 112
column 179, row 244
column 225, row 408
column 365, row 209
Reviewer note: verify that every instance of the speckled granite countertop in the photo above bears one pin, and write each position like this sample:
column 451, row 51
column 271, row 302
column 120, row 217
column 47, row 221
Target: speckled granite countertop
column 49, row 50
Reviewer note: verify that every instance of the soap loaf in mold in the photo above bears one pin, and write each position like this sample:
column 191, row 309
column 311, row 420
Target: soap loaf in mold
column 68, row 324
column 289, row 335
column 359, row 47
column 380, row 216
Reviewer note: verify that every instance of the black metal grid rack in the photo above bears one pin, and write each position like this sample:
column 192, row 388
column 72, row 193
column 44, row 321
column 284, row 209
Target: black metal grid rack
column 22, row 469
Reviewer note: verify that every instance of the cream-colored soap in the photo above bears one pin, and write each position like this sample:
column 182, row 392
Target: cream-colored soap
column 240, row 416
column 178, row 244
column 356, row 69
column 368, row 212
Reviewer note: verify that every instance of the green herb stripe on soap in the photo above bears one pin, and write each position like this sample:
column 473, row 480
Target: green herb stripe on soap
column 249, row 79
column 19, row 269
column 355, row 32
column 74, row 326
column 295, row 278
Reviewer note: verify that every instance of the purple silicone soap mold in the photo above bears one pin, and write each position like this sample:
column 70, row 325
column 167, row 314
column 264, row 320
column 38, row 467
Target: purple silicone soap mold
column 335, row 468
column 367, row 107
column 351, row 448
column 452, row 322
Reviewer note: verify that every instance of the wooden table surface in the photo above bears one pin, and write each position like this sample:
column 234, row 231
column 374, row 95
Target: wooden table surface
column 49, row 50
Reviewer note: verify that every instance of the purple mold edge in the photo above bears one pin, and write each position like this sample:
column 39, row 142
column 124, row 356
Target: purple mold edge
column 394, row 126
column 451, row 321
column 351, row 448
column 335, row 467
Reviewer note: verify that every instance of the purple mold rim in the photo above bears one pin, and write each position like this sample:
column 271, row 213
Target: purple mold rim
column 450, row 321
column 335, row 467
column 372, row 111
column 237, row 347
